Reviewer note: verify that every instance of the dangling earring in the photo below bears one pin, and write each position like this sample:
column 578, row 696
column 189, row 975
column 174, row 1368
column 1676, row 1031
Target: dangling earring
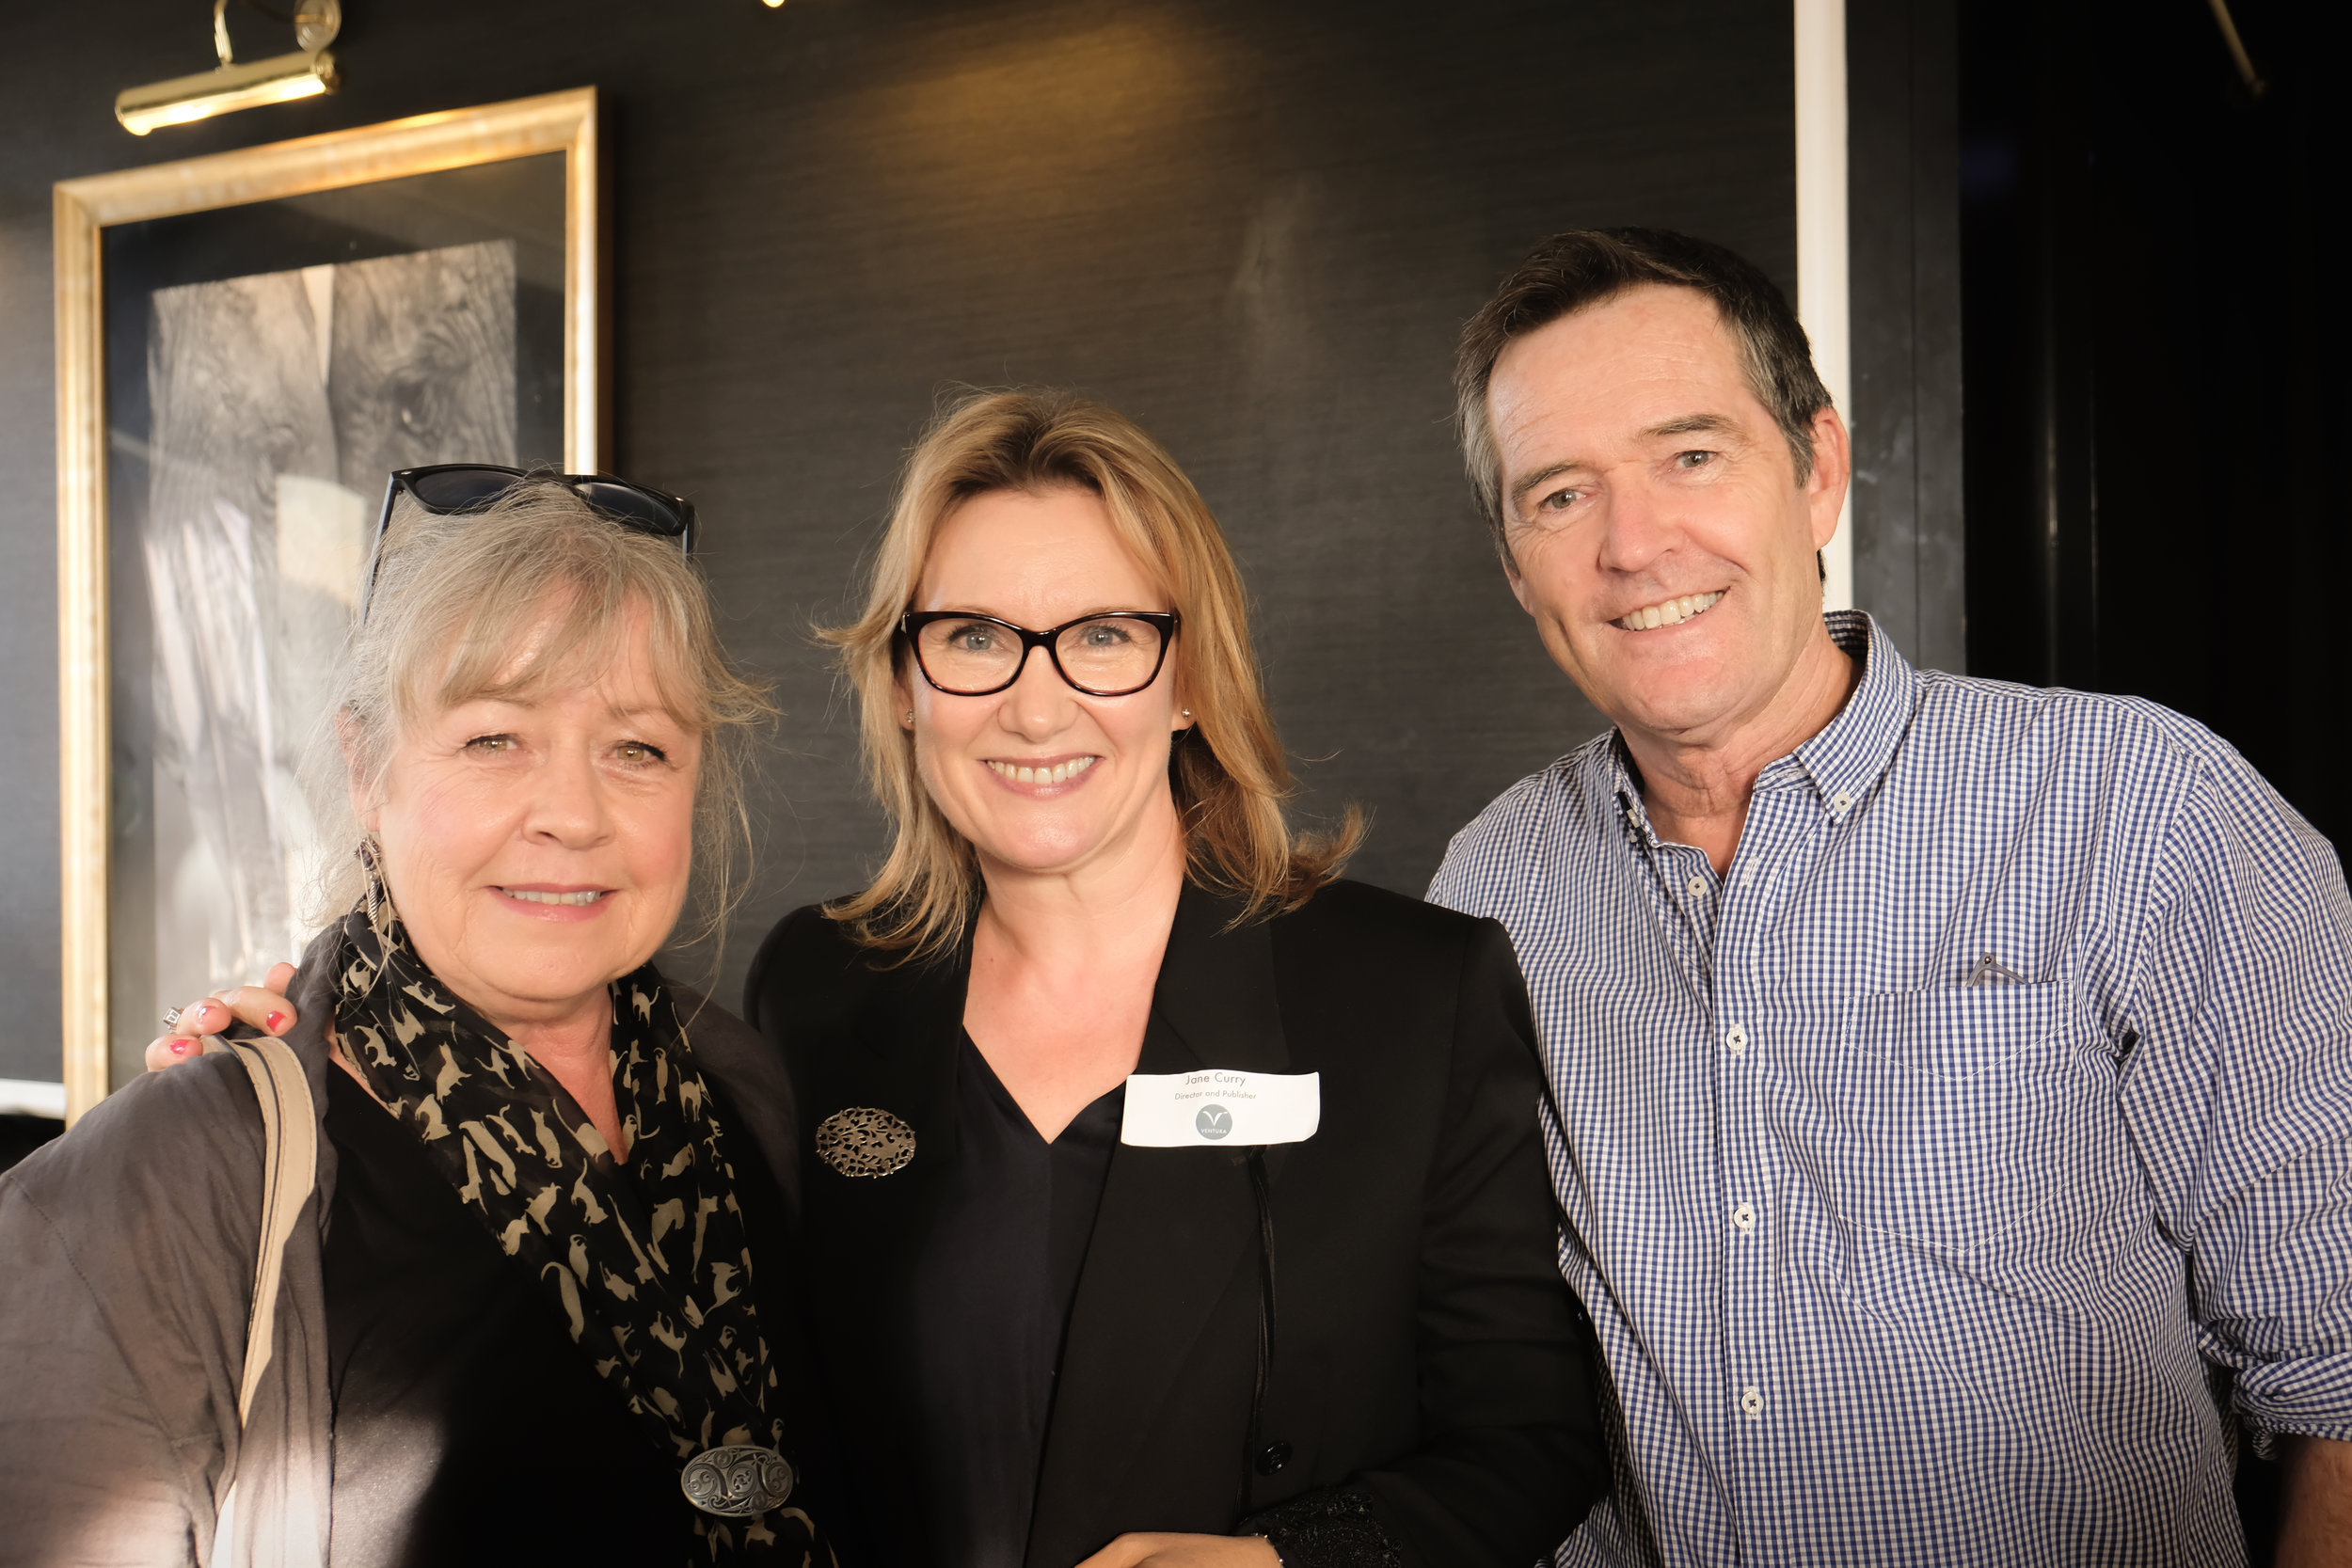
column 381, row 915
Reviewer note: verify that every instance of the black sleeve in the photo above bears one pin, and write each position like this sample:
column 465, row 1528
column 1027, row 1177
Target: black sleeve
column 748, row 1071
column 805, row 974
column 764, row 972
column 1512, row 1454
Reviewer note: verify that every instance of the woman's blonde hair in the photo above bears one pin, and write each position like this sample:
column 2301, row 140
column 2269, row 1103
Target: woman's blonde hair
column 1227, row 772
column 456, row 597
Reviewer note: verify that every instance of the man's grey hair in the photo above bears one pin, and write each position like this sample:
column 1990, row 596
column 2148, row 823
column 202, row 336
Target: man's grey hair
column 1584, row 267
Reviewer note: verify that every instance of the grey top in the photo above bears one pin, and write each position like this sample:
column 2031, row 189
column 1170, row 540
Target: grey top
column 130, row 1246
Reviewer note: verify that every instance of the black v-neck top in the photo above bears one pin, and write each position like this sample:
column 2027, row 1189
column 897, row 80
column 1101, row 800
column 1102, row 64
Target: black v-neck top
column 467, row 1426
column 992, row 1288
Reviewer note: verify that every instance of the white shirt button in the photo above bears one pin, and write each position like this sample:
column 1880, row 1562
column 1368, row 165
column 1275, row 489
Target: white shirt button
column 1697, row 886
column 1840, row 802
column 1744, row 1216
column 1736, row 1039
column 1752, row 1403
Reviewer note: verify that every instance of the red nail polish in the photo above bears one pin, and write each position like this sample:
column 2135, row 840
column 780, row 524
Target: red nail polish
column 178, row 1048
column 274, row 1020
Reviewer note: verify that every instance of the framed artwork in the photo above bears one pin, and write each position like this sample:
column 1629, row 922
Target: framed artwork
column 248, row 344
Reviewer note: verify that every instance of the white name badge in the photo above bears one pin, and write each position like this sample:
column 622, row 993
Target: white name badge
column 1218, row 1105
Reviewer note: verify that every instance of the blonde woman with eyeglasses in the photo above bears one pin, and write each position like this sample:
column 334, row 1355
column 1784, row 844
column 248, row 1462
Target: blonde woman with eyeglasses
column 1166, row 1199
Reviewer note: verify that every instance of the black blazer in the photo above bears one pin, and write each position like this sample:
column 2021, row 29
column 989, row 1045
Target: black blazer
column 1431, row 1391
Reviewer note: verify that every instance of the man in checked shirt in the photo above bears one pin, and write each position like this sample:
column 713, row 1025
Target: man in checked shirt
column 1951, row 1082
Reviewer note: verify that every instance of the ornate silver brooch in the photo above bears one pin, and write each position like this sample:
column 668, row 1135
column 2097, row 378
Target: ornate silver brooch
column 737, row 1482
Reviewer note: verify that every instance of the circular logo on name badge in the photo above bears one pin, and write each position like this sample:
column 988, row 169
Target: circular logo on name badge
column 1213, row 1121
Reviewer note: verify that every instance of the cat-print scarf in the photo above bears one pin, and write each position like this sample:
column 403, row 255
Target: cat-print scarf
column 646, row 1261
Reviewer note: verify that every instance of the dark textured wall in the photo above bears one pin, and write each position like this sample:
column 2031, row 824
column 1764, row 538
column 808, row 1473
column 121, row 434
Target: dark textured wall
column 1255, row 226
column 1903, row 157
column 2156, row 414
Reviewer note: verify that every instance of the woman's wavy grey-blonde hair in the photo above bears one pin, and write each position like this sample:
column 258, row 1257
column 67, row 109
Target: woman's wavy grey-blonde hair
column 456, row 597
column 1228, row 772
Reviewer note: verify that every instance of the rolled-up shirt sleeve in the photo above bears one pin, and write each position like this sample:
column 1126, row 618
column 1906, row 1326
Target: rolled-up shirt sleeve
column 2237, row 1090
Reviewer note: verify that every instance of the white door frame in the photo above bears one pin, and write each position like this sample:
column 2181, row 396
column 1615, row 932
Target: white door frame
column 1822, row 254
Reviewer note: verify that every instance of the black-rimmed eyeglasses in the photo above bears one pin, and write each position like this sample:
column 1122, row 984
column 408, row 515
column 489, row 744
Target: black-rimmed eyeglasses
column 1111, row 654
column 449, row 488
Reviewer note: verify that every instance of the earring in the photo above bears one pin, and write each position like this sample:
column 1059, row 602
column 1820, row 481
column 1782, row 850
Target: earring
column 382, row 917
column 1188, row 713
column 910, row 718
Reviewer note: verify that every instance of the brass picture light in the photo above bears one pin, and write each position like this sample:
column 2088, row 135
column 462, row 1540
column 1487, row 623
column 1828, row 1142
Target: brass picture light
column 305, row 73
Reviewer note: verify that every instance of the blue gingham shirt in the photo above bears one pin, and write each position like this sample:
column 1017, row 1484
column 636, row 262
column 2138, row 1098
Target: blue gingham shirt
column 1958, row 1177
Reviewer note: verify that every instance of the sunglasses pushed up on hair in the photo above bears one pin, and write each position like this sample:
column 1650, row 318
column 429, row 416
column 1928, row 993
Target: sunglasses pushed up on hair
column 450, row 489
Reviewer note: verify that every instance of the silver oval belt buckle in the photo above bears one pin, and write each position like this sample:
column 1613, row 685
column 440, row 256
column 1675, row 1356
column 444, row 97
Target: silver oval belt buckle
column 737, row 1480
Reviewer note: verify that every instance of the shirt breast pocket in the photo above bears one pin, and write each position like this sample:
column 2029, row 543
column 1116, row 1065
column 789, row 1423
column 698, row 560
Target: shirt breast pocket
column 1951, row 1101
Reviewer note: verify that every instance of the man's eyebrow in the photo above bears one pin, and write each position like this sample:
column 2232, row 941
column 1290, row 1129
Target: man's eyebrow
column 1549, row 471
column 1687, row 424
column 1694, row 424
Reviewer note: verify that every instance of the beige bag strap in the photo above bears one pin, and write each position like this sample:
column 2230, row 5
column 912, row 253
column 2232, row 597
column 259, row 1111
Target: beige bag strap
column 290, row 1168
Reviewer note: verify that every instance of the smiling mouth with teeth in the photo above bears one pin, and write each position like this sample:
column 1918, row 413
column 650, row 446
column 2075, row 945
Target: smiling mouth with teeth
column 1061, row 772
column 1671, row 613
column 528, row 896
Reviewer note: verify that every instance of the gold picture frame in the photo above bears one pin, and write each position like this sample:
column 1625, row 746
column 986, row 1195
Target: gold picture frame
column 85, row 210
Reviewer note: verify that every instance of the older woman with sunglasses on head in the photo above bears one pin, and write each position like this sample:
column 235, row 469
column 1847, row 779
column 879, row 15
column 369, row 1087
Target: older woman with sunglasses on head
column 533, row 1310
column 1165, row 1200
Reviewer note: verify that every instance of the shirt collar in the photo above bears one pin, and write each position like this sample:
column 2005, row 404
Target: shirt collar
column 1839, row 765
column 1844, row 763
